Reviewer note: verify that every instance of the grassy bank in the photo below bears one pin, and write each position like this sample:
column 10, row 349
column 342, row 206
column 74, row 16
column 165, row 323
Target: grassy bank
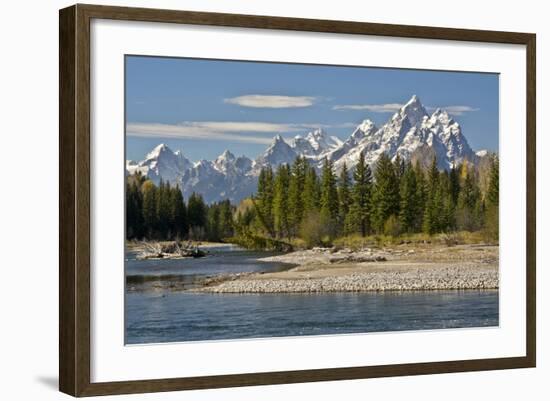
column 259, row 243
column 449, row 239
column 357, row 242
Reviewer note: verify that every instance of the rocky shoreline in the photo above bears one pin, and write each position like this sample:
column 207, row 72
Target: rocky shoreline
column 327, row 270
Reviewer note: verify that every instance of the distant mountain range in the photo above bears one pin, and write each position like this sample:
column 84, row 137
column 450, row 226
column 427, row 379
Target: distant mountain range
column 411, row 133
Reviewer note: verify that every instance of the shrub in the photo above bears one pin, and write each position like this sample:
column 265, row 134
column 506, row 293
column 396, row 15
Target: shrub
column 312, row 230
column 392, row 226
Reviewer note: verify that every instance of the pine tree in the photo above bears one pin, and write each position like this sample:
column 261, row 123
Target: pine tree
column 226, row 219
column 446, row 219
column 470, row 206
column 344, row 195
column 178, row 214
column 281, row 206
column 492, row 212
column 359, row 217
column 385, row 198
column 311, row 194
column 434, row 200
column 264, row 200
column 295, row 193
column 399, row 165
column 329, row 193
column 492, row 192
column 196, row 214
column 409, row 202
column 134, row 216
column 421, row 196
column 213, row 222
column 219, row 223
column 454, row 178
column 163, row 210
column 149, row 192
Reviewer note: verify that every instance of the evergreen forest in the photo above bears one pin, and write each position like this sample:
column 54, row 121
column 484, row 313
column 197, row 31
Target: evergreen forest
column 296, row 206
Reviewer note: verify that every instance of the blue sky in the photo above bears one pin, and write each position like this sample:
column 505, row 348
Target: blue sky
column 206, row 106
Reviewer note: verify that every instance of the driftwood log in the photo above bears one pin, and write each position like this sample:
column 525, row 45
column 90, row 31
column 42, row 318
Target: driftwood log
column 175, row 249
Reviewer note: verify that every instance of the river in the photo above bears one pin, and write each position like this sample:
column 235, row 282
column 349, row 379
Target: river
column 158, row 315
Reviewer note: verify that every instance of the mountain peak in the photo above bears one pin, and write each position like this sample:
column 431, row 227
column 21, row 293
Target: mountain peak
column 316, row 133
column 317, row 138
column 440, row 112
column 227, row 155
column 277, row 153
column 442, row 117
column 314, row 143
column 367, row 125
column 158, row 150
column 414, row 102
column 413, row 111
column 162, row 162
column 224, row 161
column 408, row 133
column 278, row 142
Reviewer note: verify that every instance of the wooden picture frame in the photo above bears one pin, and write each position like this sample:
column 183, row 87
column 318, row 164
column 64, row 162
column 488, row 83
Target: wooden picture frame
column 75, row 207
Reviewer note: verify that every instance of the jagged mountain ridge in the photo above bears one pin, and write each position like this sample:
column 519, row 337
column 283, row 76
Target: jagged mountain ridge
column 161, row 162
column 409, row 129
column 411, row 133
column 315, row 144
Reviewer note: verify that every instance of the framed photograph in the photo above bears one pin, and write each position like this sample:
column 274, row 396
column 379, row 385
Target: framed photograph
column 249, row 200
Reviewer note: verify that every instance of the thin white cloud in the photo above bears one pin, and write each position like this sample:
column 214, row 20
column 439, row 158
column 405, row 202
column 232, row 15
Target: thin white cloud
column 457, row 110
column 271, row 101
column 178, row 131
column 216, row 130
column 375, row 108
column 246, row 126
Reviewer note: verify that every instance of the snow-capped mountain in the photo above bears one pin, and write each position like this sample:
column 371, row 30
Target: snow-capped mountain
column 227, row 177
column 409, row 129
column 228, row 164
column 277, row 153
column 161, row 162
column 350, row 149
column 411, row 133
column 315, row 144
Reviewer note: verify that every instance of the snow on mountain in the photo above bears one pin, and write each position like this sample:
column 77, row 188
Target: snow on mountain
column 227, row 177
column 408, row 129
column 203, row 178
column 161, row 162
column 225, row 161
column 316, row 143
column 277, row 153
column 482, row 153
column 411, row 133
column 364, row 131
column 243, row 164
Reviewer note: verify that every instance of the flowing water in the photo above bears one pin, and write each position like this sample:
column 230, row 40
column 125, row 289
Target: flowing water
column 159, row 315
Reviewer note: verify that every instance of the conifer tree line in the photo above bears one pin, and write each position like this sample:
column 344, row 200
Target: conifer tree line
column 160, row 213
column 392, row 198
column 294, row 201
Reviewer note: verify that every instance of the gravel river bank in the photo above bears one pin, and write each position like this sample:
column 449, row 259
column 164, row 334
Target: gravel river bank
column 398, row 269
